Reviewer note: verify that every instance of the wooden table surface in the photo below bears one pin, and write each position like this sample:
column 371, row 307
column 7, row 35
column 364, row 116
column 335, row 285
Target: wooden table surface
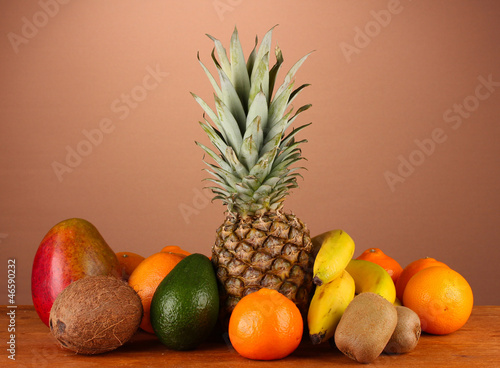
column 477, row 344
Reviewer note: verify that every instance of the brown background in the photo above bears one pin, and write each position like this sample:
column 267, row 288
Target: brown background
column 142, row 184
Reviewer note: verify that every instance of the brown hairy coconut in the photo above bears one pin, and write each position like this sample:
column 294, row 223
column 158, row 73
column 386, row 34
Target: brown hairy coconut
column 95, row 315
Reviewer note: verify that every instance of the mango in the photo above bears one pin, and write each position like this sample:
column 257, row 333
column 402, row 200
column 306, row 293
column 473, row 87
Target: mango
column 71, row 250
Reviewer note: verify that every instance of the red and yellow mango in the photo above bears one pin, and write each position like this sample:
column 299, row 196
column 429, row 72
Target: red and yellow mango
column 71, row 250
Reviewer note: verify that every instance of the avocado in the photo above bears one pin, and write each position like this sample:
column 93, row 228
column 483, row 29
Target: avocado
column 185, row 306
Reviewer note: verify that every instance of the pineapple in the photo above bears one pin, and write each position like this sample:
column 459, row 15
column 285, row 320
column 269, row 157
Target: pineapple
column 258, row 245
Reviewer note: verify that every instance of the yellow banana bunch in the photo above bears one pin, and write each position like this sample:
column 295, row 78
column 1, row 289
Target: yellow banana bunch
column 335, row 251
column 369, row 276
column 327, row 306
column 335, row 287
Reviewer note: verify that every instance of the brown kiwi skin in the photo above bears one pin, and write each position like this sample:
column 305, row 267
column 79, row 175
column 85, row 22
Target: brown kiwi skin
column 95, row 314
column 407, row 333
column 366, row 327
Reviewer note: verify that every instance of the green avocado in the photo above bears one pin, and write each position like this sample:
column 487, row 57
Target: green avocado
column 185, row 306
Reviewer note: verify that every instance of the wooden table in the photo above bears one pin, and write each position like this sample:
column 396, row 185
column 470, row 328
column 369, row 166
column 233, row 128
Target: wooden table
column 477, row 344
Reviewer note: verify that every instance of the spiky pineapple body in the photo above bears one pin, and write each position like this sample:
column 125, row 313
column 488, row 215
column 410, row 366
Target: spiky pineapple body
column 258, row 245
column 273, row 250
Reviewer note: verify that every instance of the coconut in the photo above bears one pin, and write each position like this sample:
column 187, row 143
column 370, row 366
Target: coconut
column 95, row 315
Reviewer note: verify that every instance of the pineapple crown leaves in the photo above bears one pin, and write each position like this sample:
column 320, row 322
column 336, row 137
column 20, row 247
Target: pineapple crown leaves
column 253, row 154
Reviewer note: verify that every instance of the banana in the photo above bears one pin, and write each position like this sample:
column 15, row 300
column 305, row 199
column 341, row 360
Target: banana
column 336, row 248
column 370, row 277
column 327, row 306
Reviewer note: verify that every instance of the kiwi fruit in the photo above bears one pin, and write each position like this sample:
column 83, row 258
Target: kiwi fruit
column 366, row 327
column 95, row 314
column 407, row 333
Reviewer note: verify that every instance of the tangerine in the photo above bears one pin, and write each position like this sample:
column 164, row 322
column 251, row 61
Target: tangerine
column 146, row 278
column 389, row 264
column 265, row 325
column 411, row 269
column 175, row 249
column 128, row 262
column 441, row 297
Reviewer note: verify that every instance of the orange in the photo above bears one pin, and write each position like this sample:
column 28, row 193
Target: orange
column 128, row 262
column 410, row 270
column 146, row 278
column 265, row 325
column 441, row 297
column 389, row 264
column 175, row 249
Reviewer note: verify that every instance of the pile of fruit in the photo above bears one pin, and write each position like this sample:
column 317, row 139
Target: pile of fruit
column 371, row 304
column 268, row 281
column 94, row 300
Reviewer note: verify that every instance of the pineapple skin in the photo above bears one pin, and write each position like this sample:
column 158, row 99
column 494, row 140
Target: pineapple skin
column 273, row 250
